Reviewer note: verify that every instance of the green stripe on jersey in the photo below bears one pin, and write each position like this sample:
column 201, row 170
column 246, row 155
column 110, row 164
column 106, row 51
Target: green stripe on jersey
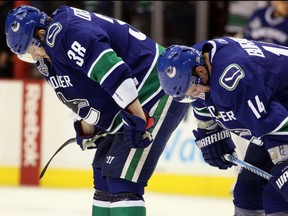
column 102, row 66
column 284, row 128
column 133, row 165
column 140, row 155
column 147, row 89
column 152, row 83
column 202, row 111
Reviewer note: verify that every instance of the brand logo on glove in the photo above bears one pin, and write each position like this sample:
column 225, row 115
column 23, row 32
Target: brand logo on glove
column 213, row 138
column 147, row 135
column 282, row 179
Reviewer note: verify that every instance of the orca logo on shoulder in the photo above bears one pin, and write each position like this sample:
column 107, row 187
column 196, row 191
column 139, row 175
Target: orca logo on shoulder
column 231, row 76
column 52, row 32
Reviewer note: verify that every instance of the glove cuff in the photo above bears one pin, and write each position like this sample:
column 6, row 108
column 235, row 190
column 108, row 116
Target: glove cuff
column 207, row 125
column 150, row 121
column 79, row 130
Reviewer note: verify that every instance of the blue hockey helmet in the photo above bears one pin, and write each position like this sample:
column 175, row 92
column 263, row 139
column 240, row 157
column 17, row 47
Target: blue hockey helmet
column 20, row 26
column 175, row 68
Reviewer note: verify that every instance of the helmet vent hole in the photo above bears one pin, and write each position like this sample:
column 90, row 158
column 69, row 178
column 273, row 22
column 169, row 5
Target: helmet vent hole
column 21, row 14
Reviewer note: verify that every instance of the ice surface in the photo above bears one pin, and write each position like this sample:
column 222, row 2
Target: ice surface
column 37, row 201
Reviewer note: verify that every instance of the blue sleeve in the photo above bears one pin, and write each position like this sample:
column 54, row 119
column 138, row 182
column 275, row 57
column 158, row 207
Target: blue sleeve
column 200, row 111
column 199, row 45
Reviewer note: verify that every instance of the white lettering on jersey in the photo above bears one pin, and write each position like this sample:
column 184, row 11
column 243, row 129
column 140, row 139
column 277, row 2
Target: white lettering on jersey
column 104, row 17
column 81, row 13
column 223, row 115
column 227, row 116
column 77, row 53
column 277, row 50
column 258, row 109
column 251, row 48
column 60, row 82
column 137, row 34
column 271, row 32
column 212, row 111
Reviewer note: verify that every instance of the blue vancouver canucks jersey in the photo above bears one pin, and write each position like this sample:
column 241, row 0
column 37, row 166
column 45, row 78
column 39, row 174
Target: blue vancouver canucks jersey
column 264, row 26
column 92, row 58
column 249, row 87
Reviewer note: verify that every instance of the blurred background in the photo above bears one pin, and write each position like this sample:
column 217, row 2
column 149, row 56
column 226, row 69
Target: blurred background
column 166, row 22
column 34, row 123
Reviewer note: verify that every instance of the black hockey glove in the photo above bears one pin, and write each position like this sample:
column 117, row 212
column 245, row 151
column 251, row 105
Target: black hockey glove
column 87, row 141
column 279, row 180
column 214, row 144
column 136, row 130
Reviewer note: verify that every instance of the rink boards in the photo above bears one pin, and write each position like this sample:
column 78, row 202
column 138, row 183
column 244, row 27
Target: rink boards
column 34, row 123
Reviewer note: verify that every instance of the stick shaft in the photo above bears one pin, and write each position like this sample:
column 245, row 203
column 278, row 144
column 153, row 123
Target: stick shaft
column 247, row 166
column 69, row 141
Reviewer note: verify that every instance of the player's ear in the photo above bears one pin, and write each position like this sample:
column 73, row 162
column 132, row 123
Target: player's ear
column 41, row 34
column 198, row 70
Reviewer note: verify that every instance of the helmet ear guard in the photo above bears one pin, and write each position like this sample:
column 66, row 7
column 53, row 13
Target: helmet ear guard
column 175, row 69
column 20, row 26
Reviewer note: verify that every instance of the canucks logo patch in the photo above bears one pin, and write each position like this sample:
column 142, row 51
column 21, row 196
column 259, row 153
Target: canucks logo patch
column 53, row 31
column 170, row 71
column 231, row 76
column 15, row 26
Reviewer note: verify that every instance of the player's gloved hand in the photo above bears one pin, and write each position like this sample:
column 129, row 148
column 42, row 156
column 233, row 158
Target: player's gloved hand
column 279, row 179
column 214, row 144
column 87, row 141
column 136, row 130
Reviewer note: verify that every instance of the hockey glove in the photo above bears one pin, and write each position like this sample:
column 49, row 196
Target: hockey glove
column 214, row 144
column 87, row 141
column 136, row 130
column 279, row 180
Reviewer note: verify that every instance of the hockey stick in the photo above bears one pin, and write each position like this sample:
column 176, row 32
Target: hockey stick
column 69, row 141
column 247, row 166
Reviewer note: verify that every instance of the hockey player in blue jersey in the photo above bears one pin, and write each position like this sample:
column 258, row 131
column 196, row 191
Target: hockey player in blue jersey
column 105, row 71
column 269, row 24
column 240, row 86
